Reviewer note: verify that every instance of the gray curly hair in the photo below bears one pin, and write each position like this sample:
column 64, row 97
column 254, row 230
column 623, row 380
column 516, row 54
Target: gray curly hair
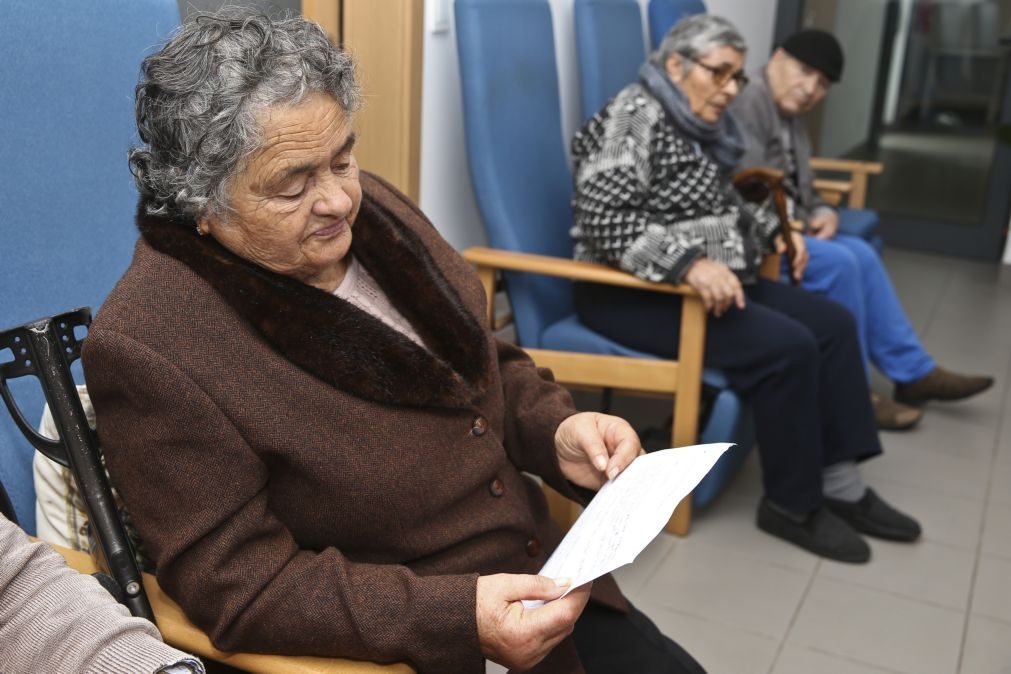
column 694, row 37
column 199, row 98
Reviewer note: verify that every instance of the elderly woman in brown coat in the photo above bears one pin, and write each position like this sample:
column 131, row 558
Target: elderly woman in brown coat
column 316, row 435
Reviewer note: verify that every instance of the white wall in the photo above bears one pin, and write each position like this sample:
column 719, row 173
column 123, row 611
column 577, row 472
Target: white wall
column 846, row 121
column 447, row 196
column 756, row 19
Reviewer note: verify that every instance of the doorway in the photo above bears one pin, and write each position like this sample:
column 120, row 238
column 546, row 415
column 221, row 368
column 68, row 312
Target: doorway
column 925, row 92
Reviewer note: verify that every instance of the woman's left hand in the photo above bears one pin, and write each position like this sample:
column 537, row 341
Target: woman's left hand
column 593, row 448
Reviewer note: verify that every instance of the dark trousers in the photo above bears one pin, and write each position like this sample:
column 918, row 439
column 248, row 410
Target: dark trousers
column 610, row 642
column 793, row 355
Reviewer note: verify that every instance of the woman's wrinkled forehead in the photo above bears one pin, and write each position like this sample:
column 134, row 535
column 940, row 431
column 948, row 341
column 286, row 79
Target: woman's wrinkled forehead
column 298, row 138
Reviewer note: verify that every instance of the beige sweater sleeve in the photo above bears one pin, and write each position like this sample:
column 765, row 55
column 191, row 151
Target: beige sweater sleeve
column 53, row 619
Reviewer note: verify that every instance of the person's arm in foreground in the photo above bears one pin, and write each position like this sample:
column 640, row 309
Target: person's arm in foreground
column 54, row 619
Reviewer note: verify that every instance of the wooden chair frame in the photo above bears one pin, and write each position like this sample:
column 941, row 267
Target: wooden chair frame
column 681, row 378
column 854, row 188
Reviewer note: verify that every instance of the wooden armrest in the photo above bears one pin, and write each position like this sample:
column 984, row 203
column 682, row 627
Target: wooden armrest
column 178, row 631
column 836, row 186
column 847, row 165
column 564, row 268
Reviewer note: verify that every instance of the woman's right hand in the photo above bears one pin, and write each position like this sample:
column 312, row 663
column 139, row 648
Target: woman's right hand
column 518, row 637
column 719, row 287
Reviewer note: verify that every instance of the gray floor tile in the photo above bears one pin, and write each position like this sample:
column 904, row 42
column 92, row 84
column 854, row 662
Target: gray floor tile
column 964, row 430
column 924, row 571
column 991, row 596
column 951, row 520
column 986, row 409
column 987, row 647
column 799, row 660
column 718, row 648
column 997, row 531
column 1000, row 480
column 905, row 462
column 878, row 628
column 726, row 588
column 631, row 577
column 730, row 525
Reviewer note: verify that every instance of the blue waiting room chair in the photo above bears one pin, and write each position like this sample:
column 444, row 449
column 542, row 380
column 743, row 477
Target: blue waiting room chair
column 523, row 187
column 665, row 13
column 610, row 47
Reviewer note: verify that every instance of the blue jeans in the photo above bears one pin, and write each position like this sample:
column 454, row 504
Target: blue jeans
column 846, row 269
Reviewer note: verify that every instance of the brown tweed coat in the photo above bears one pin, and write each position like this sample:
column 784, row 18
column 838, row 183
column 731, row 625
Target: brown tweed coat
column 308, row 480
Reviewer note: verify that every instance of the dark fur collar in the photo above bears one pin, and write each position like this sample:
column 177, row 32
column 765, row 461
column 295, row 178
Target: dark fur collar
column 334, row 340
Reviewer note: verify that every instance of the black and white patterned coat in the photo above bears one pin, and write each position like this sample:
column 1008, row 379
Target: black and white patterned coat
column 648, row 201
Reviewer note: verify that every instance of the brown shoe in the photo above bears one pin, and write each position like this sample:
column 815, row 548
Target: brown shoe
column 940, row 384
column 894, row 416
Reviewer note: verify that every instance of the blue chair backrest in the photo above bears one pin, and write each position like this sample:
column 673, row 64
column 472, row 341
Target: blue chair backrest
column 68, row 200
column 515, row 147
column 611, row 48
column 663, row 14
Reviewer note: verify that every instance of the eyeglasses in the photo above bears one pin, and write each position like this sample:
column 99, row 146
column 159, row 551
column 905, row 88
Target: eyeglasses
column 722, row 73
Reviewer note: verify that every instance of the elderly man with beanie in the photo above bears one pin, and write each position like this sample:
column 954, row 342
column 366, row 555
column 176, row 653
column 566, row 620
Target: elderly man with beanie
column 844, row 268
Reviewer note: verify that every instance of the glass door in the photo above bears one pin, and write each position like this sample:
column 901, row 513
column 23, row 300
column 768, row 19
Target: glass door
column 925, row 92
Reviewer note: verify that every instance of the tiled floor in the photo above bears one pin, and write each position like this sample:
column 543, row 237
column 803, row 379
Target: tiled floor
column 743, row 602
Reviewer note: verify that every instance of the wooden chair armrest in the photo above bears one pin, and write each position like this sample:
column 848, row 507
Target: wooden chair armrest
column 574, row 270
column 847, row 165
column 834, row 186
column 178, row 631
column 858, row 170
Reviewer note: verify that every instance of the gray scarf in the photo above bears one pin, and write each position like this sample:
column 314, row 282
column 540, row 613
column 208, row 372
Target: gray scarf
column 722, row 142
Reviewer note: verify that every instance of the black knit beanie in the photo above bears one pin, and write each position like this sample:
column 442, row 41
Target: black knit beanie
column 818, row 49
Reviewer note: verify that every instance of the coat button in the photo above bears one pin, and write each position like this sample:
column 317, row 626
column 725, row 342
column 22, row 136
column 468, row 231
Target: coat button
column 534, row 547
column 480, row 427
column 496, row 487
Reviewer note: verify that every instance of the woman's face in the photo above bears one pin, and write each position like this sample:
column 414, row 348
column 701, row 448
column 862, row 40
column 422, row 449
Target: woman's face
column 293, row 204
column 700, row 81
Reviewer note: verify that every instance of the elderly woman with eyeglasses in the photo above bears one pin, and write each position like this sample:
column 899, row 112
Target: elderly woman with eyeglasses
column 654, row 197
column 317, row 436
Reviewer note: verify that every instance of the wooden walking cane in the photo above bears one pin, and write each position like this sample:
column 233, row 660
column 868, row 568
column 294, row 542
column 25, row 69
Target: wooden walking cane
column 755, row 185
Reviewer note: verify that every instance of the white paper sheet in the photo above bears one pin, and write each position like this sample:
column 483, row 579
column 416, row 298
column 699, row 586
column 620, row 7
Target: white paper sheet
column 628, row 512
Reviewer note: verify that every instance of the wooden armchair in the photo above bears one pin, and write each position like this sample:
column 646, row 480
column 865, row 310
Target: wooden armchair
column 681, row 379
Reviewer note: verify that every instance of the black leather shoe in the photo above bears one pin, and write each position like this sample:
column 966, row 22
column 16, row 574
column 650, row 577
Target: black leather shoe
column 872, row 516
column 821, row 532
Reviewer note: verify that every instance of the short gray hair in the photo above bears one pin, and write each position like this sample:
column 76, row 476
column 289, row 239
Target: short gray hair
column 199, row 96
column 695, row 36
